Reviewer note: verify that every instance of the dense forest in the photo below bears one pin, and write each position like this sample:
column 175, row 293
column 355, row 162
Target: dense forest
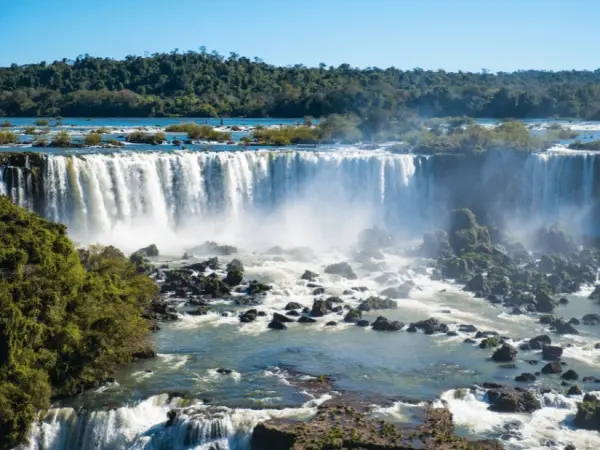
column 205, row 84
column 67, row 317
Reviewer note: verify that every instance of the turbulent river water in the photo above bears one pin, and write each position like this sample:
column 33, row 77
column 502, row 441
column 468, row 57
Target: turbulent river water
column 312, row 203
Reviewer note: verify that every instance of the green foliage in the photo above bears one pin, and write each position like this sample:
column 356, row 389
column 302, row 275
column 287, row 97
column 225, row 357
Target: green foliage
column 40, row 142
column 139, row 137
column 29, row 130
column 93, row 139
column 340, row 128
column 7, row 137
column 114, row 142
column 58, row 120
column 42, row 122
column 6, row 124
column 286, row 135
column 102, row 130
column 199, row 132
column 67, row 318
column 592, row 145
column 61, row 139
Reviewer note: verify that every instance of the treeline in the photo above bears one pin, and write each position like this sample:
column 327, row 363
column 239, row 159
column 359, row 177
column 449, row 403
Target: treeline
column 205, row 84
column 68, row 318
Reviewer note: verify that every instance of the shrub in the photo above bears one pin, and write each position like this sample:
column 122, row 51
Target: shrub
column 61, row 139
column 114, row 142
column 6, row 124
column 42, row 122
column 102, row 130
column 139, row 137
column 8, row 137
column 93, row 139
column 29, row 130
column 40, row 142
column 67, row 318
column 286, row 135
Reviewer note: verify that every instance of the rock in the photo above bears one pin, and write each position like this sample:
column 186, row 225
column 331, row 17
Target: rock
column 249, row 316
column 452, row 333
column 306, row 319
column 331, row 324
column 362, row 323
column 151, row 251
column 293, row 305
column 454, row 268
column 343, row 269
column 223, row 371
column 147, row 353
column 235, row 264
column 551, row 353
column 506, row 353
column 212, row 248
column 512, row 400
column 570, row 447
column 430, row 326
column 574, row 390
column 563, row 301
column 485, row 334
column 257, row 288
column 309, row 276
column 365, row 256
column 234, row 278
column 467, row 340
column 277, row 325
column 591, row 319
column 200, row 311
column 476, row 284
column 544, row 303
column 552, row 368
column 465, row 234
column 319, row 308
column 570, row 375
column 546, row 319
column 467, row 328
column 319, row 291
column 525, row 377
column 383, row 324
column 281, row 318
column 375, row 303
column 562, row 327
column 539, row 342
column 588, row 413
column 574, row 321
column 293, row 313
column 402, row 291
column 435, row 244
column 595, row 295
column 375, row 238
column 352, row 316
column 490, row 342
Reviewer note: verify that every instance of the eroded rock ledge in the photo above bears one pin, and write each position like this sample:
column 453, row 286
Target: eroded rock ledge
column 341, row 426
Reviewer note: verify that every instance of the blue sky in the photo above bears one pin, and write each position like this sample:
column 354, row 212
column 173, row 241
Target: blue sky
column 433, row 34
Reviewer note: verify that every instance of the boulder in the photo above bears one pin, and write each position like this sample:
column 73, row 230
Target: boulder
column 362, row 323
column 539, row 342
column 588, row 413
column 319, row 291
column 562, row 327
column 506, row 400
column 306, row 319
column 293, row 305
column 319, row 308
column 293, row 313
column 465, row 233
column 525, row 377
column 257, row 288
column 249, row 316
column 281, row 318
column 544, row 303
column 570, row 375
column 352, row 316
column 574, row 321
column 309, row 276
column 554, row 239
column 151, row 251
column 375, row 303
column 383, row 324
column 574, row 390
column 430, row 326
column 552, row 368
column 277, row 325
column 343, row 269
column 476, row 284
column 234, row 278
column 595, row 295
column 235, row 264
column 490, row 342
column 551, row 353
column 591, row 319
column 506, row 353
column 331, row 323
column 467, row 328
column 223, row 371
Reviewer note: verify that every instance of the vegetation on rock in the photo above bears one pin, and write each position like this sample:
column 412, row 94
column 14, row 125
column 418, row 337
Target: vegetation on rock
column 139, row 137
column 67, row 318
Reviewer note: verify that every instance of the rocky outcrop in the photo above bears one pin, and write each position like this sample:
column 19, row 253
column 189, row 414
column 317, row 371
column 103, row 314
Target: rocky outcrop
column 588, row 413
column 504, row 399
column 151, row 251
column 339, row 426
column 383, row 324
column 342, row 269
column 375, row 303
column 506, row 353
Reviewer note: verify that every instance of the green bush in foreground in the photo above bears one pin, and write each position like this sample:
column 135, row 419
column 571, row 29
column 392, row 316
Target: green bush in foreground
column 93, row 139
column 7, row 137
column 61, row 139
column 67, row 318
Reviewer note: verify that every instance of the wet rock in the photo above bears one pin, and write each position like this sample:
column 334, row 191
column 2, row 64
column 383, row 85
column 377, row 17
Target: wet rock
column 544, row 303
column 306, row 319
column 467, row 340
column 343, row 269
column 552, row 368
column 362, row 323
column 551, row 353
column 277, row 325
column 306, row 310
column 485, row 334
column 293, row 313
column 574, row 390
column 595, row 295
column 546, row 319
column 147, row 353
column 452, row 333
column 331, row 324
column 281, row 318
column 490, row 342
column 590, row 380
column 431, row 326
column 402, row 291
column 293, row 305
column 562, row 327
column 467, row 328
column 588, row 413
column 383, row 324
column 512, row 400
column 375, row 303
column 234, row 278
column 319, row 291
column 200, row 311
column 465, row 234
column 563, row 301
column 539, row 342
column 257, row 288
column 555, row 239
column 309, row 276
column 223, row 371
column 352, row 316
column 574, row 321
column 506, row 353
column 525, row 377
column 262, row 314
column 591, row 319
column 319, row 308
column 235, row 264
column 151, row 251
column 476, row 284
column 249, row 316
column 570, row 375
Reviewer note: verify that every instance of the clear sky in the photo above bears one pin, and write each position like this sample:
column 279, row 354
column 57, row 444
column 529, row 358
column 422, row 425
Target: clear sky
column 453, row 35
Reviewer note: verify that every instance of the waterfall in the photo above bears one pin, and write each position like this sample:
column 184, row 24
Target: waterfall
column 125, row 197
column 145, row 426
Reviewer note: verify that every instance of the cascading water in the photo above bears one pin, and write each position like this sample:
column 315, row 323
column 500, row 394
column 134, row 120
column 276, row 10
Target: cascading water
column 184, row 194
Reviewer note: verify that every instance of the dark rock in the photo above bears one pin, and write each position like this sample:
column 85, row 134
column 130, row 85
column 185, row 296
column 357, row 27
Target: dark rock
column 574, row 390
column 552, row 368
column 551, row 353
column 574, row 321
column 319, row 308
column 563, row 301
column 281, row 318
column 512, row 400
column 467, row 328
column 277, row 325
column 544, row 303
column 546, row 319
column 562, row 327
column 257, row 288
column 362, row 323
column 375, row 303
column 293, row 305
column 306, row 319
column 319, row 291
column 151, row 251
column 249, row 316
column 590, row 380
column 383, row 324
column 539, row 342
column 147, row 353
column 490, row 342
column 525, row 377
column 468, row 341
column 234, row 278
column 293, row 313
column 570, row 375
column 588, row 413
column 452, row 333
column 223, row 371
column 235, row 264
column 595, row 295
column 331, row 324
column 555, row 239
column 476, row 284
column 353, row 316
column 309, row 276
column 306, row 310
column 505, row 353
column 591, row 319
column 343, row 269
column 484, row 334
